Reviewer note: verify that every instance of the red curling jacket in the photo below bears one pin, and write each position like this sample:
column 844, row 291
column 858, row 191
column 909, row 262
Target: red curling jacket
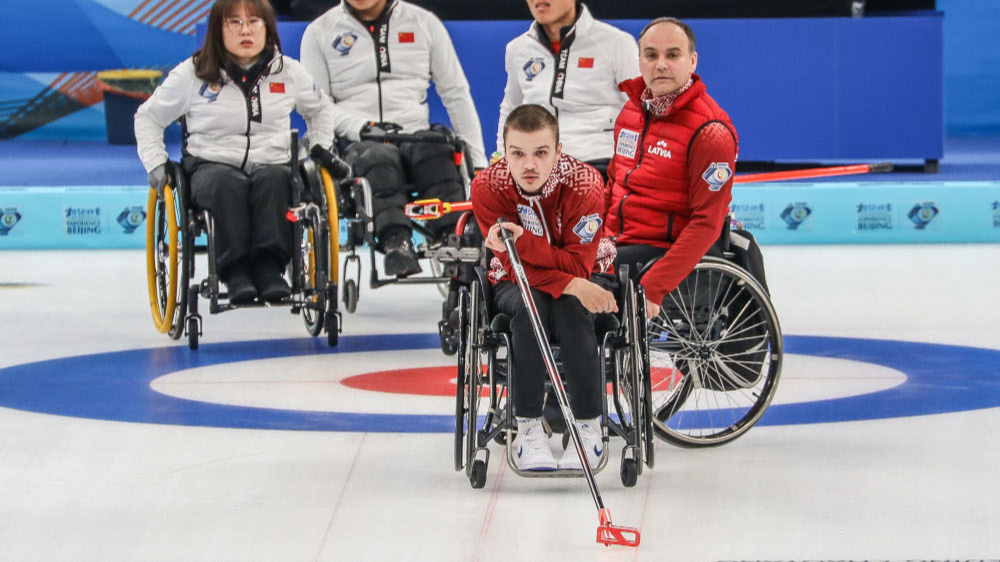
column 563, row 236
column 670, row 180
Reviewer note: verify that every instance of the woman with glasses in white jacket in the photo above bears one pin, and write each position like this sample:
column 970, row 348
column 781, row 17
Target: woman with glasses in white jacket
column 236, row 95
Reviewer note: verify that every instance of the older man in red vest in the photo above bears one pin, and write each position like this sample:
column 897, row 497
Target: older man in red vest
column 670, row 181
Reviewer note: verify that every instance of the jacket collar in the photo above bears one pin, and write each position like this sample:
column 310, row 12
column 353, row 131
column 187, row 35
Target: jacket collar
column 584, row 21
column 273, row 65
column 390, row 6
column 634, row 87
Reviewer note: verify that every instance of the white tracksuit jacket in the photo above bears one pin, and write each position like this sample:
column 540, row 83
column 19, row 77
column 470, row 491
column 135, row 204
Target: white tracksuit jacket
column 221, row 124
column 579, row 85
column 385, row 78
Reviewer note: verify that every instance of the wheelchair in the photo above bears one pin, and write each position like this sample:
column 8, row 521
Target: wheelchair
column 483, row 405
column 458, row 250
column 173, row 239
column 715, row 352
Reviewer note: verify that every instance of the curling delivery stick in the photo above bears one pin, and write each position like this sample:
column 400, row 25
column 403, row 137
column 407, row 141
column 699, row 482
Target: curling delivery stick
column 429, row 209
column 607, row 534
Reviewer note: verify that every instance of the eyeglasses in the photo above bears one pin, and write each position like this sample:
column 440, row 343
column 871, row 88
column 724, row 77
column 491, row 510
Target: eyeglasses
column 236, row 24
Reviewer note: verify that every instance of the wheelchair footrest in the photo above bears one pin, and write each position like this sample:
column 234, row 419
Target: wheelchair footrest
column 451, row 254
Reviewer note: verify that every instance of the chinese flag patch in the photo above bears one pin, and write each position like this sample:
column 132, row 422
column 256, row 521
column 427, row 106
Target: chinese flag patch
column 277, row 87
column 585, row 62
column 406, row 37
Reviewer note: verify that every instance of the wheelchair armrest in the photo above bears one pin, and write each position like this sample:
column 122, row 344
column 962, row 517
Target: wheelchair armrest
column 722, row 243
column 484, row 281
column 623, row 281
column 311, row 182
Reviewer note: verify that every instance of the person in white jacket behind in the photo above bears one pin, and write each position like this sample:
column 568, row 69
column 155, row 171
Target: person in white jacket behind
column 377, row 58
column 236, row 95
column 571, row 64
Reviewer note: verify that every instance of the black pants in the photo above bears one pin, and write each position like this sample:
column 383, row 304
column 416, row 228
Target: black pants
column 248, row 209
column 566, row 320
column 636, row 257
column 399, row 174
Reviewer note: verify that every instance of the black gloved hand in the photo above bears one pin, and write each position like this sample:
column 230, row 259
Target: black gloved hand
column 157, row 178
column 333, row 164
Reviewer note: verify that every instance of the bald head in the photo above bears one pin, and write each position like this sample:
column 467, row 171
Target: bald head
column 692, row 43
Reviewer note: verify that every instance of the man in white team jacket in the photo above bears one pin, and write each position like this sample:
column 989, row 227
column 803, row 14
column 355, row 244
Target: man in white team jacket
column 376, row 59
column 571, row 64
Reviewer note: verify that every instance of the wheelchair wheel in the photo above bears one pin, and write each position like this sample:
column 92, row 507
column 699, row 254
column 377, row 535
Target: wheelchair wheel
column 477, row 477
column 630, row 383
column 168, row 255
column 351, row 295
column 629, row 472
column 460, row 384
column 471, row 375
column 314, row 275
column 715, row 355
column 333, row 224
column 644, row 382
column 638, row 340
column 331, row 263
column 193, row 332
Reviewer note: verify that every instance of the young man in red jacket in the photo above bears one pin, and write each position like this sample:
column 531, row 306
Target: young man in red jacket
column 552, row 205
column 670, row 181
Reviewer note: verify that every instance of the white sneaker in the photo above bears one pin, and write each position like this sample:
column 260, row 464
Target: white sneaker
column 593, row 444
column 531, row 446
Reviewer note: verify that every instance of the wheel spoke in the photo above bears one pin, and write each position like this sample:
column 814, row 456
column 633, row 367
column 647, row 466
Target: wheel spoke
column 718, row 331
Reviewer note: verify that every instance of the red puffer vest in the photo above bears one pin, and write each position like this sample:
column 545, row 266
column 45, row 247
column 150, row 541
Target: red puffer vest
column 649, row 179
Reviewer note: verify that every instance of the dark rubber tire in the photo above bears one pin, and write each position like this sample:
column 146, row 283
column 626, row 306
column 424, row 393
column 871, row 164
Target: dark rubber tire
column 478, row 476
column 629, row 472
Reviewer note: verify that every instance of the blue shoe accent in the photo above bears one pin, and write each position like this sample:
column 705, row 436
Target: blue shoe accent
column 597, row 452
column 519, row 451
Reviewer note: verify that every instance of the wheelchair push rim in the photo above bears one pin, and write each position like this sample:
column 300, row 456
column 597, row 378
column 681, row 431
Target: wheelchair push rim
column 469, row 392
column 164, row 255
column 715, row 354
column 333, row 212
column 313, row 280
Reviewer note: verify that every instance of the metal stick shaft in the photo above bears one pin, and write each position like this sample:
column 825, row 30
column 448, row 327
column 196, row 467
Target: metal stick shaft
column 550, row 363
column 807, row 173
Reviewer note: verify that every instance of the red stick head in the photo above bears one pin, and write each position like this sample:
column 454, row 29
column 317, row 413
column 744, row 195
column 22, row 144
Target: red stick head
column 608, row 534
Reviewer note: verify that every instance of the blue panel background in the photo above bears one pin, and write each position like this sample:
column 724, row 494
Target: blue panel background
column 890, row 87
column 796, row 89
column 83, row 35
column 773, row 85
column 972, row 66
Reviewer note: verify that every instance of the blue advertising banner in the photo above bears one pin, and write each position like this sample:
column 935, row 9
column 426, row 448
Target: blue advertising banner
column 56, row 218
column 870, row 213
column 805, row 213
